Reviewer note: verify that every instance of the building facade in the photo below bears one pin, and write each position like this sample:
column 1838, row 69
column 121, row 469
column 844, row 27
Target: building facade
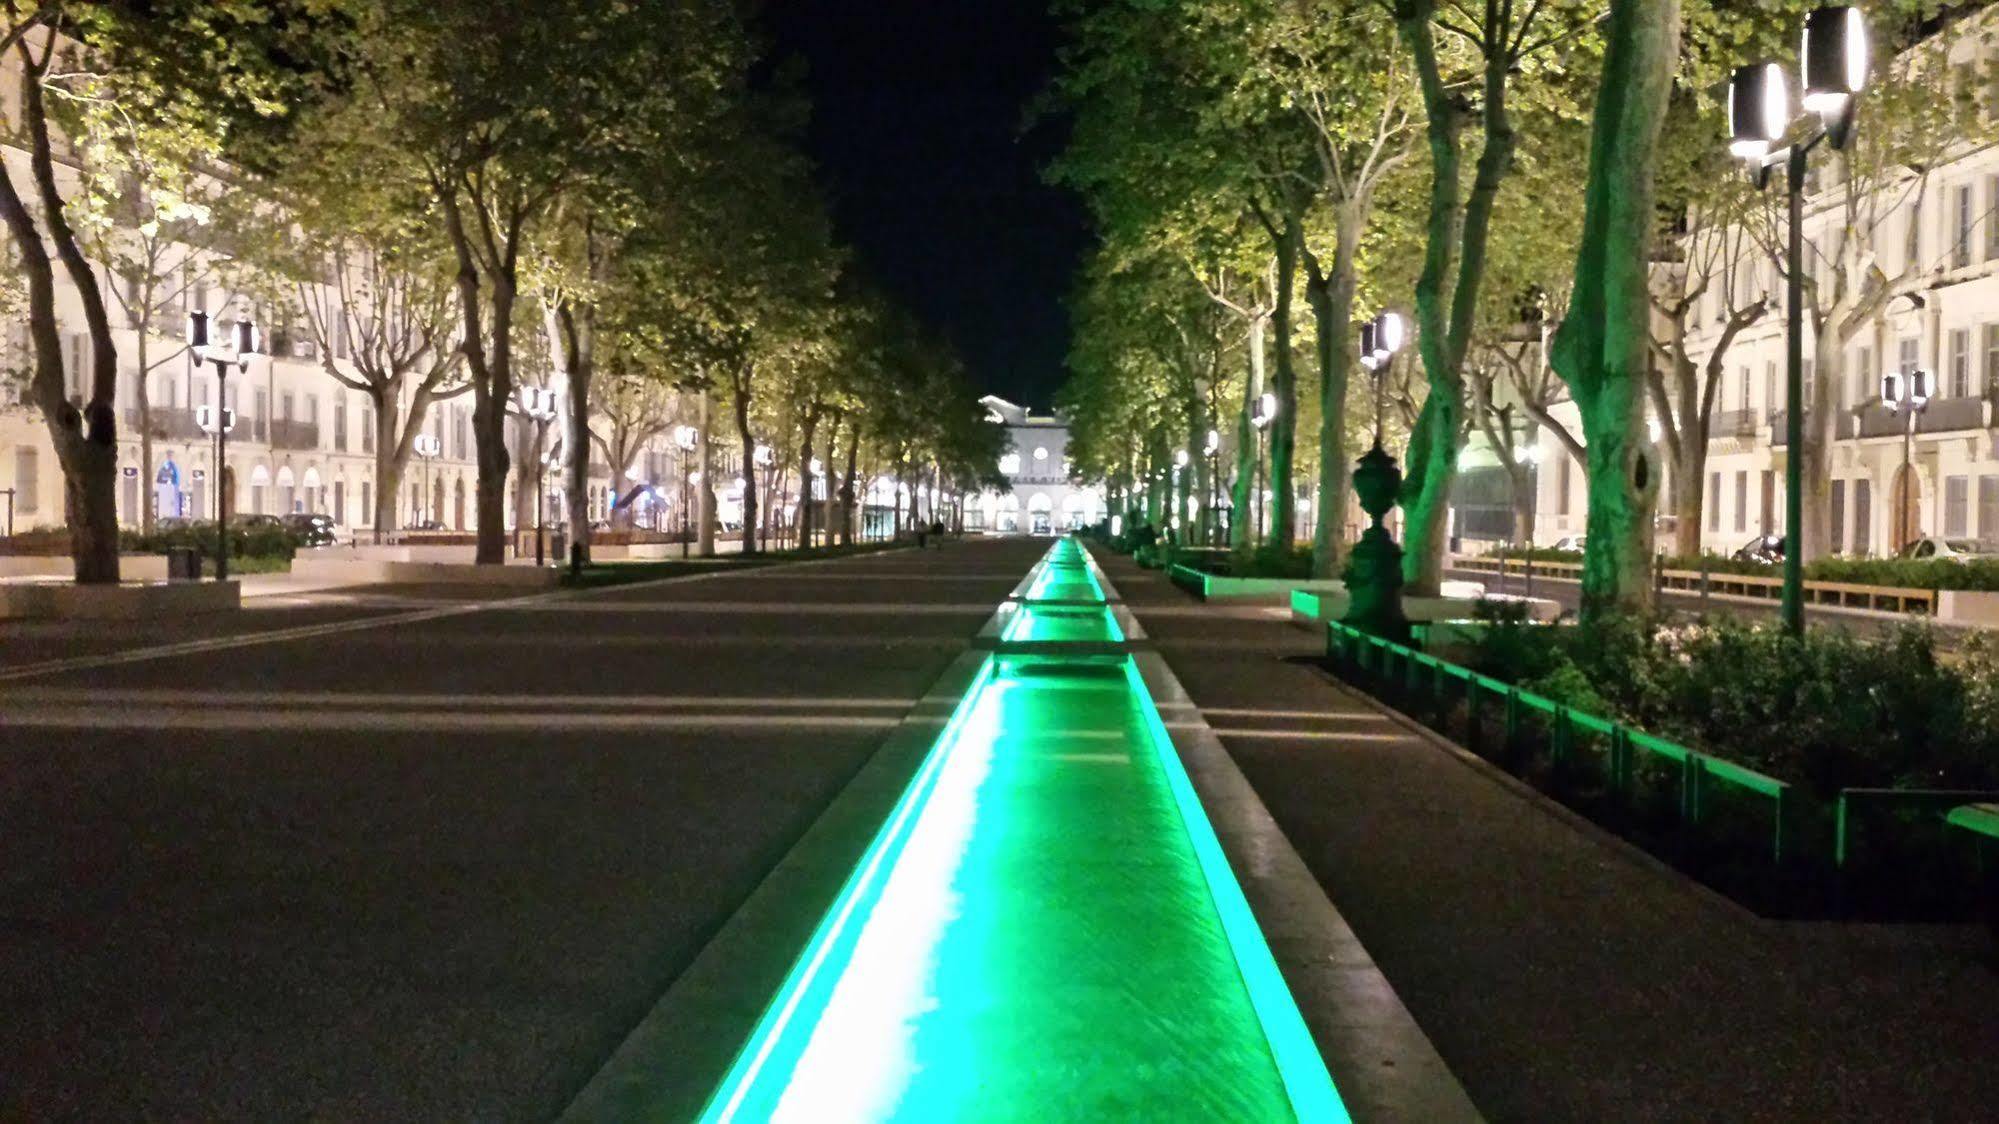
column 1896, row 475
column 1044, row 500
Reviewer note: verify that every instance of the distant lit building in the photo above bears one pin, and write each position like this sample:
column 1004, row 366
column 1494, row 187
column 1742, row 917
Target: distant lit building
column 1044, row 500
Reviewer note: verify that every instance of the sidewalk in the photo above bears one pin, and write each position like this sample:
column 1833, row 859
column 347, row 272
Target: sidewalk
column 1562, row 975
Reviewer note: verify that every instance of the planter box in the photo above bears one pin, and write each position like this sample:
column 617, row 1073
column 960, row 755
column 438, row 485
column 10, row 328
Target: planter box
column 367, row 571
column 1309, row 606
column 1219, row 587
column 1968, row 606
column 126, row 601
column 131, row 567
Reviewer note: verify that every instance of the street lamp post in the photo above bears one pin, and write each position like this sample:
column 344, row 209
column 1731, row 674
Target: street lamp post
column 426, row 446
column 1907, row 398
column 685, row 437
column 1210, row 450
column 239, row 344
column 1266, row 412
column 1181, row 459
column 1833, row 59
column 538, row 403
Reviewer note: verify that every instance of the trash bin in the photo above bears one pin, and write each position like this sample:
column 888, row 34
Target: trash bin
column 183, row 564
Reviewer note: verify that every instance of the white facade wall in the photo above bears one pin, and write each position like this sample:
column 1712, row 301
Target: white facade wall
column 1043, row 500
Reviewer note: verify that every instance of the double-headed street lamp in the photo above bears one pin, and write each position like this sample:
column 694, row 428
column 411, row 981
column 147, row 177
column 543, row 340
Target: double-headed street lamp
column 426, row 446
column 1380, row 339
column 685, row 439
column 1266, row 412
column 1834, row 64
column 1907, row 396
column 538, row 403
column 231, row 347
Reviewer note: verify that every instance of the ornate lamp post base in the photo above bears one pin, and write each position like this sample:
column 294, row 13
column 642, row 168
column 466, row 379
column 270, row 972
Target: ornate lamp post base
column 1374, row 569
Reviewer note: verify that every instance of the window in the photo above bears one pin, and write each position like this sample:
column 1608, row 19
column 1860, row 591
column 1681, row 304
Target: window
column 342, row 343
column 312, row 409
column 1010, row 464
column 1988, row 507
column 367, row 502
column 339, row 421
column 1714, row 501
column 367, row 428
column 1906, row 353
column 1991, row 217
column 27, row 480
column 1838, row 535
column 1956, row 494
column 459, row 429
column 1809, row 373
column 76, row 362
column 262, row 412
column 1991, row 358
column 1742, row 387
column 1769, row 388
column 1864, row 377
column 1769, row 505
column 1958, row 363
column 1960, row 244
column 1741, row 501
column 285, row 406
column 1912, row 241
column 1863, row 495
column 1040, row 453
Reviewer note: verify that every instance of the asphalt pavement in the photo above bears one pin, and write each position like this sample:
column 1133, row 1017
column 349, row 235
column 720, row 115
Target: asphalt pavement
column 421, row 852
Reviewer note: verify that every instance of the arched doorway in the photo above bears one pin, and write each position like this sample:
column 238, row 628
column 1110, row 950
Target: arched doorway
column 458, row 504
column 166, row 490
column 311, row 499
column 1904, row 508
column 260, row 483
column 437, row 500
column 1040, row 513
column 287, row 489
column 228, row 490
column 1007, row 519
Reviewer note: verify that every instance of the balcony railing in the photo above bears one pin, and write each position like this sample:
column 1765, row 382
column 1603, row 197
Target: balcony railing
column 172, row 423
column 287, row 433
column 1735, row 423
column 1943, row 415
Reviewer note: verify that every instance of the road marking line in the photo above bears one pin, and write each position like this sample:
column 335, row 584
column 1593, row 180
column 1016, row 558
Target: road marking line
column 1311, row 735
column 1254, row 712
column 286, row 723
column 177, row 697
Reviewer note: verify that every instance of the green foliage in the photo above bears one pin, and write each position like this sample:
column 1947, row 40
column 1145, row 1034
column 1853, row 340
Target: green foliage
column 1831, row 711
column 259, row 540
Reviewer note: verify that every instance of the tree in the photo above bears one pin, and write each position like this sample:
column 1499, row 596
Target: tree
column 1487, row 50
column 1602, row 347
column 135, row 58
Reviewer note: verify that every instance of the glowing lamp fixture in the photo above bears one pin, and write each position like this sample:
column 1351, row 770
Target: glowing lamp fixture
column 1214, row 444
column 1834, row 58
column 686, row 437
column 1915, row 394
column 1266, row 411
column 1759, row 110
column 1387, row 336
column 1180, row 459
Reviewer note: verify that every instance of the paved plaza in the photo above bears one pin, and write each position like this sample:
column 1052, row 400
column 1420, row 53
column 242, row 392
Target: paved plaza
column 432, row 854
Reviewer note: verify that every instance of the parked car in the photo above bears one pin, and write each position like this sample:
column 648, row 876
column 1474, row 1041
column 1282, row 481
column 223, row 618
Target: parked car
column 1767, row 549
column 251, row 521
column 1573, row 544
column 1961, row 550
column 311, row 529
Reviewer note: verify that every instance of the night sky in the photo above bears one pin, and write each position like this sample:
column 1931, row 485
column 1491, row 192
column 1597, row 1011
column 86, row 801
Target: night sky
column 918, row 111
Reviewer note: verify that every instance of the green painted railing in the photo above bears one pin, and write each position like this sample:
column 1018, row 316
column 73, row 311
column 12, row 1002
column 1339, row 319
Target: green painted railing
column 1438, row 686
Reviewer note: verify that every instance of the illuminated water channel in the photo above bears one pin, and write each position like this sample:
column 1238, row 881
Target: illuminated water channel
column 1045, row 928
